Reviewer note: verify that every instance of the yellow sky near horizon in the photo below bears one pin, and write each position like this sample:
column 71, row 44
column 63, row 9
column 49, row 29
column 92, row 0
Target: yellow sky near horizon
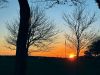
column 57, row 51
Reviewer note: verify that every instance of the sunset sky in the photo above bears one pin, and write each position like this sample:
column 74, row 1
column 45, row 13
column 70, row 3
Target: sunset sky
column 8, row 14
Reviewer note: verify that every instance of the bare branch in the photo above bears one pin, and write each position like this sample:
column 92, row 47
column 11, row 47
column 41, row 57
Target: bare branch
column 41, row 32
column 52, row 3
column 79, row 24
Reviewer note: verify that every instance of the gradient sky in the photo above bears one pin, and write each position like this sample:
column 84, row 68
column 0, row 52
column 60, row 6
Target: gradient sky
column 7, row 15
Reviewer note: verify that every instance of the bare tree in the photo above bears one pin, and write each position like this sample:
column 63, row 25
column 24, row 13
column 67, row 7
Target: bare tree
column 79, row 23
column 41, row 31
column 52, row 3
column 21, row 50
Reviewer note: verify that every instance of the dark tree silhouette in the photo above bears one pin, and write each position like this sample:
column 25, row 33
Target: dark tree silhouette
column 40, row 34
column 21, row 50
column 98, row 2
column 94, row 48
column 88, row 54
column 79, row 23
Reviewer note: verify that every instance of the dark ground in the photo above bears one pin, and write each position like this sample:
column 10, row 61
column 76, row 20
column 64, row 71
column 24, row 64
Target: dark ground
column 52, row 66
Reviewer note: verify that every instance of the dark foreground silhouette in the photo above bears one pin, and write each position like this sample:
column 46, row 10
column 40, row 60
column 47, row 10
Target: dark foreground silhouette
column 52, row 66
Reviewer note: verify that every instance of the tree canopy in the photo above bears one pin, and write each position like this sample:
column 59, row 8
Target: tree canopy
column 40, row 33
column 94, row 48
column 79, row 23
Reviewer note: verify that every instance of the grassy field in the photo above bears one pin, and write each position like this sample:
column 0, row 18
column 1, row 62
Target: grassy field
column 52, row 66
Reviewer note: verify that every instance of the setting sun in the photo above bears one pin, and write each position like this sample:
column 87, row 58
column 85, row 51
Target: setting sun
column 71, row 56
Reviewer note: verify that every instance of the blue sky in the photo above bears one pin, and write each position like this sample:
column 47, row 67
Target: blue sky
column 55, row 14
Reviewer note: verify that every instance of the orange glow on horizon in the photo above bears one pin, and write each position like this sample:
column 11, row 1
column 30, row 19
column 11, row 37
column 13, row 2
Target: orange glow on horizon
column 57, row 51
column 72, row 56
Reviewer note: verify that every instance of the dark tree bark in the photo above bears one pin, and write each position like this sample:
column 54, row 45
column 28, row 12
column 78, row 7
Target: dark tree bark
column 21, row 50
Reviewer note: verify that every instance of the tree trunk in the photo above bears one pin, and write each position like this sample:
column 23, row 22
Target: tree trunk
column 77, row 55
column 21, row 50
column 78, row 48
